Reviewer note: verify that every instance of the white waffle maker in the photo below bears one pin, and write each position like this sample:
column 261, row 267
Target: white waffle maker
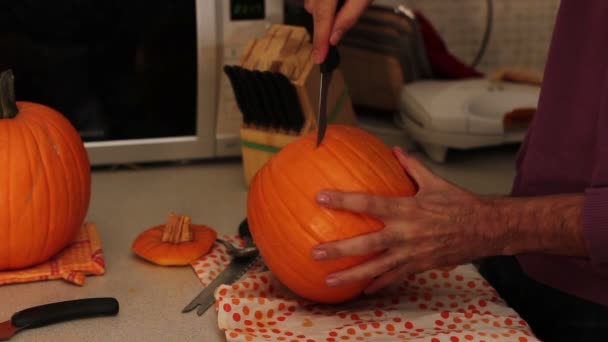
column 462, row 114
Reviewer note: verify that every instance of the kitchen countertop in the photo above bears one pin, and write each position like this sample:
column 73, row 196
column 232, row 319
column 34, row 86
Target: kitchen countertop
column 127, row 200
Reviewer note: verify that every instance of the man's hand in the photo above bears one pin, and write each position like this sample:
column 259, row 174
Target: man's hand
column 329, row 26
column 442, row 225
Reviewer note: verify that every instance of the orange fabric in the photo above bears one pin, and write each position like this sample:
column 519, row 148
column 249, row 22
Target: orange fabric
column 80, row 258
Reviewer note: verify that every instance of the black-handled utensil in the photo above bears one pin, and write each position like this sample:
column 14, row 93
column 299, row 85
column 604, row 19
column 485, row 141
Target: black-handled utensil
column 294, row 107
column 46, row 314
column 239, row 96
column 266, row 98
column 244, row 232
column 253, row 101
column 331, row 62
column 257, row 96
column 241, row 79
column 281, row 91
column 265, row 95
column 277, row 101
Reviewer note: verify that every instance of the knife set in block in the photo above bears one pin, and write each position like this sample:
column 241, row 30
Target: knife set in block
column 276, row 87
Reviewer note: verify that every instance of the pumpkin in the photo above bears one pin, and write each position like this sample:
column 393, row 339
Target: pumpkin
column 176, row 243
column 45, row 183
column 286, row 222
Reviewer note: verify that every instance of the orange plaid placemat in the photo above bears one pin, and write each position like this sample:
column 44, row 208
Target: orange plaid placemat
column 82, row 257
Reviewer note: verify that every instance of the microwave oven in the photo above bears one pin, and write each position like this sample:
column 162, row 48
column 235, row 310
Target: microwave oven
column 141, row 81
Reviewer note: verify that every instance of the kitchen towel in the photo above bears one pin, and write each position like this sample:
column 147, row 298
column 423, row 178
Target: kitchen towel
column 80, row 258
column 452, row 304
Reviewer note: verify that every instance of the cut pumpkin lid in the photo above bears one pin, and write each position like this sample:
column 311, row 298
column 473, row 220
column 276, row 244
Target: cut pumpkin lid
column 176, row 243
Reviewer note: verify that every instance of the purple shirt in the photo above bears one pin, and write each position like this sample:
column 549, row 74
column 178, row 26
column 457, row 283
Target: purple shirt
column 566, row 149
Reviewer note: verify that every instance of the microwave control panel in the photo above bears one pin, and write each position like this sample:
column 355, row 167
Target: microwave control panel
column 242, row 20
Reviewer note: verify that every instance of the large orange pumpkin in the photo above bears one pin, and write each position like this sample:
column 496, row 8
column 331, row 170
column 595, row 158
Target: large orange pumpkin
column 286, row 222
column 45, row 180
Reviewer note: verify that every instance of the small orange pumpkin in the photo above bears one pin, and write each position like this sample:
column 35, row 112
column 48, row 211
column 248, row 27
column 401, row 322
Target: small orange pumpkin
column 175, row 243
column 45, row 183
column 286, row 222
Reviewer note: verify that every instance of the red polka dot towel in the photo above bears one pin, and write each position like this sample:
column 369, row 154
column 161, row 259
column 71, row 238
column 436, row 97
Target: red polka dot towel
column 450, row 305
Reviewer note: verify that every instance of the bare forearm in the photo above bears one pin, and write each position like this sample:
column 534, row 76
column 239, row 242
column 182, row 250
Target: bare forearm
column 545, row 224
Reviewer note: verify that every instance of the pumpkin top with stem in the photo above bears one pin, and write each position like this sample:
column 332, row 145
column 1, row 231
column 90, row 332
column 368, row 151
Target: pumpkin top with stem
column 8, row 105
column 178, row 242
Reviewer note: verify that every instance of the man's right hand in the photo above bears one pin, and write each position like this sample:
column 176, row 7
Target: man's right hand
column 329, row 26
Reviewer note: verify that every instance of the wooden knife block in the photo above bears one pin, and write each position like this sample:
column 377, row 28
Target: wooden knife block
column 288, row 50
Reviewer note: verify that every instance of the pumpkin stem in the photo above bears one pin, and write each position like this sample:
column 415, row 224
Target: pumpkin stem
column 177, row 229
column 8, row 105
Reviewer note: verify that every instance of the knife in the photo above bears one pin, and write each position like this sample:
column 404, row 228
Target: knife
column 257, row 98
column 267, row 101
column 238, row 93
column 292, row 102
column 331, row 62
column 243, row 77
column 278, row 104
column 327, row 68
column 42, row 315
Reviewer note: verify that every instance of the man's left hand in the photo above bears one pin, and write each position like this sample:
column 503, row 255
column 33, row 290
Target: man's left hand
column 442, row 225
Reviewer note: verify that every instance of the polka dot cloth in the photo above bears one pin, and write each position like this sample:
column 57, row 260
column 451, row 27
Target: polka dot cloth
column 450, row 305
column 213, row 263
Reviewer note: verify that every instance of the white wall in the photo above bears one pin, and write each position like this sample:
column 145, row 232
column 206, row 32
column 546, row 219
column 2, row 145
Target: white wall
column 520, row 36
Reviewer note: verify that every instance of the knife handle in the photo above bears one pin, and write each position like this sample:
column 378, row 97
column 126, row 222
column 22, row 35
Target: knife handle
column 332, row 60
column 64, row 311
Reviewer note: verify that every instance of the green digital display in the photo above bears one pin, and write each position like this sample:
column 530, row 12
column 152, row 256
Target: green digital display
column 247, row 10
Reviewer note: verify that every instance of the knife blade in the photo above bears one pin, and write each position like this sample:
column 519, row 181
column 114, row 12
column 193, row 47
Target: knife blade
column 46, row 314
column 235, row 270
column 331, row 62
column 326, row 68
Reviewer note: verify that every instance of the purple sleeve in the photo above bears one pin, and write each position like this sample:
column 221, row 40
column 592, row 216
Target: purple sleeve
column 595, row 224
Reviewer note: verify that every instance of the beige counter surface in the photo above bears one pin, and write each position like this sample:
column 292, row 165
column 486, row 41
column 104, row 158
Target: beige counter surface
column 126, row 201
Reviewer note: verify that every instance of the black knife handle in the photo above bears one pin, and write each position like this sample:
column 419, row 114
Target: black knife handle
column 64, row 311
column 332, row 60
